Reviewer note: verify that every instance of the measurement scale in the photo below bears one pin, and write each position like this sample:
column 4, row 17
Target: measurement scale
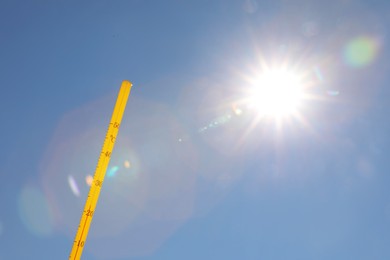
column 100, row 172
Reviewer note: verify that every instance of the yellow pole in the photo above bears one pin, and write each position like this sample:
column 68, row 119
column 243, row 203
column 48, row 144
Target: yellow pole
column 100, row 172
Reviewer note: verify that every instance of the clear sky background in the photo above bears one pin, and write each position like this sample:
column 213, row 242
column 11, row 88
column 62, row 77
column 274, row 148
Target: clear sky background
column 194, row 174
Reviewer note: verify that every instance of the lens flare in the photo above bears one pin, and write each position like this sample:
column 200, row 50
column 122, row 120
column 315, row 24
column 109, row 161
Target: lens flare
column 333, row 92
column 236, row 110
column 73, row 186
column 250, row 6
column 318, row 74
column 89, row 180
column 34, row 211
column 127, row 164
column 361, row 51
column 112, row 171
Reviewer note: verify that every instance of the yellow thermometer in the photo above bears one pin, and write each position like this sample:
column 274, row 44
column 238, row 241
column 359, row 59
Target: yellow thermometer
column 100, row 172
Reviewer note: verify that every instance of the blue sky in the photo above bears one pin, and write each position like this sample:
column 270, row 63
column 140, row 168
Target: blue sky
column 195, row 173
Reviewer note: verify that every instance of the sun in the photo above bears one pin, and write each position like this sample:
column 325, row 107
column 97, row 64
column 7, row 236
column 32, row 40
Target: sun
column 276, row 93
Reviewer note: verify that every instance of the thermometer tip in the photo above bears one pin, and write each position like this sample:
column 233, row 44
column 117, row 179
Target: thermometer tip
column 126, row 82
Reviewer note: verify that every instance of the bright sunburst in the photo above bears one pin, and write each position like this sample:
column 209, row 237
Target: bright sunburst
column 276, row 93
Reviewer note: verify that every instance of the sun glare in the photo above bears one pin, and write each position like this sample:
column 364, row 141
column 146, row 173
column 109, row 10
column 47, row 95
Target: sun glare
column 276, row 93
